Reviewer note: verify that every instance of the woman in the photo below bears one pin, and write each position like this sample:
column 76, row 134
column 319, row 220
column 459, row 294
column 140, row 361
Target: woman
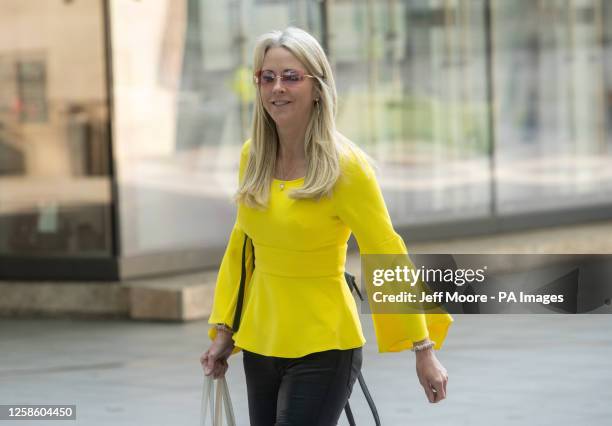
column 303, row 189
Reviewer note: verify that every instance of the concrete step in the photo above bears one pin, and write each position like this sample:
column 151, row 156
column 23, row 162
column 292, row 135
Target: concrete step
column 178, row 298
column 172, row 298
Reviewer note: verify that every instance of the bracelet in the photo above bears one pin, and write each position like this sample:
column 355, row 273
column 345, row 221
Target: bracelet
column 423, row 346
column 225, row 328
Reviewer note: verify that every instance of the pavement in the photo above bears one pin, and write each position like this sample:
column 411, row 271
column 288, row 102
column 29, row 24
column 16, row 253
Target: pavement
column 503, row 370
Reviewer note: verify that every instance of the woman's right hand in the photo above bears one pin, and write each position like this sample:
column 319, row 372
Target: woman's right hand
column 214, row 360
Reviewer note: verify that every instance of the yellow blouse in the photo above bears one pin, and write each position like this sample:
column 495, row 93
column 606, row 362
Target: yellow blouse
column 296, row 300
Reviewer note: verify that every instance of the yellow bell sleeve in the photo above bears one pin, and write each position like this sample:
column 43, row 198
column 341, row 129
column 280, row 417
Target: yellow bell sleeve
column 231, row 269
column 359, row 204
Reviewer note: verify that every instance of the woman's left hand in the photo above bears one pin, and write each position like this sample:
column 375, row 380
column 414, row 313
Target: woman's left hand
column 432, row 375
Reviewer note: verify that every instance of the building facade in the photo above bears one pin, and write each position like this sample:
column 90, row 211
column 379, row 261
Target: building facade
column 121, row 120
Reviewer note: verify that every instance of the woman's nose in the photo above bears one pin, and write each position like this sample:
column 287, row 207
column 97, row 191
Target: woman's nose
column 278, row 85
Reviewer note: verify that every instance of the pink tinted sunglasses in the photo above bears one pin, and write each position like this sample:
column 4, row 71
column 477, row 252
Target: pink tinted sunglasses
column 289, row 77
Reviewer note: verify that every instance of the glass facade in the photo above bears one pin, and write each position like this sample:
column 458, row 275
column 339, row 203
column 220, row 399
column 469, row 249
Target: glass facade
column 183, row 99
column 412, row 83
column 55, row 193
column 552, row 84
column 473, row 109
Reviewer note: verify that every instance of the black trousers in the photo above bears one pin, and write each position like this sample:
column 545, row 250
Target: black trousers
column 311, row 390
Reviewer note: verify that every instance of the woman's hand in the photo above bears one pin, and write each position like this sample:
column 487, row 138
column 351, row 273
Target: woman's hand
column 432, row 375
column 214, row 360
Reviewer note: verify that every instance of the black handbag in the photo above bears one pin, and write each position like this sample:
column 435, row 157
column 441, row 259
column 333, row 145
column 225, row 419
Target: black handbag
column 350, row 281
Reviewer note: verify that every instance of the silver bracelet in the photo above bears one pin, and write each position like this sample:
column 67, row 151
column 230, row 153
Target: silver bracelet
column 423, row 346
column 223, row 327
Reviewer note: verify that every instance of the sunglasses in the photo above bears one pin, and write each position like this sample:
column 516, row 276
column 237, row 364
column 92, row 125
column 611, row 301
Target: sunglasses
column 289, row 77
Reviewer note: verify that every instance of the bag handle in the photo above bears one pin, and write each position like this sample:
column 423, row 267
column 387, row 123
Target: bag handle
column 207, row 401
column 215, row 401
column 229, row 409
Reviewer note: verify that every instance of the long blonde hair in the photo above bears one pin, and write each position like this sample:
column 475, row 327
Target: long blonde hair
column 323, row 144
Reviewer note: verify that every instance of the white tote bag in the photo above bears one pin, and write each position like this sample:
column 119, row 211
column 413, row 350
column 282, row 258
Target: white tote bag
column 213, row 398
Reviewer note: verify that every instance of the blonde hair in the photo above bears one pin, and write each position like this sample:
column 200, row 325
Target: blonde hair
column 323, row 144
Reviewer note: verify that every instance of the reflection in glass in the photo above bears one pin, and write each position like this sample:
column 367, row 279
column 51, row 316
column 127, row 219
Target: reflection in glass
column 411, row 77
column 183, row 103
column 54, row 144
column 553, row 147
column 413, row 85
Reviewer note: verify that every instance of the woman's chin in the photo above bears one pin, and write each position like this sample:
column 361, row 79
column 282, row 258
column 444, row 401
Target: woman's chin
column 283, row 119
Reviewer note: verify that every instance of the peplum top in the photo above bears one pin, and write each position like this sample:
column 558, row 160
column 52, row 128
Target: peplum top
column 296, row 300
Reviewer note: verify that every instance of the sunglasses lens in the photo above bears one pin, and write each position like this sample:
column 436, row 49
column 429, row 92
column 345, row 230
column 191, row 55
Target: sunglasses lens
column 267, row 77
column 291, row 76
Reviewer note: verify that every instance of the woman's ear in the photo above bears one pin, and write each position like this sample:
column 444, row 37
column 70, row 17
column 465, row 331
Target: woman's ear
column 316, row 92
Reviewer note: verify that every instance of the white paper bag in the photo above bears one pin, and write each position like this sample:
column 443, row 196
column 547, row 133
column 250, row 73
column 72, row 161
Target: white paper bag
column 215, row 401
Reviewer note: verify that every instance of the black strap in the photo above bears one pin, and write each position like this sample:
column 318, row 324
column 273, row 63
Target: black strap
column 238, row 313
column 349, row 414
column 368, row 397
column 350, row 280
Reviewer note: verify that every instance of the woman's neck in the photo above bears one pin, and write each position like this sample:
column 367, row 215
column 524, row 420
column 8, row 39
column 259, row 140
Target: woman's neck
column 291, row 145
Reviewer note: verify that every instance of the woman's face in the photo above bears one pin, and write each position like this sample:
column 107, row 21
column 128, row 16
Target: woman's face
column 289, row 104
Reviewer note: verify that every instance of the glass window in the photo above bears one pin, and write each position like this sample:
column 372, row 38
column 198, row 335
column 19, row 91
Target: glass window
column 54, row 143
column 552, row 91
column 183, row 101
column 412, row 85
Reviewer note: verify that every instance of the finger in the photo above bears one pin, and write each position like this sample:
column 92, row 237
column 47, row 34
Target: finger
column 212, row 360
column 204, row 361
column 436, row 395
column 429, row 392
column 438, row 388
column 210, row 365
column 218, row 370
column 221, row 371
column 220, row 366
column 203, row 358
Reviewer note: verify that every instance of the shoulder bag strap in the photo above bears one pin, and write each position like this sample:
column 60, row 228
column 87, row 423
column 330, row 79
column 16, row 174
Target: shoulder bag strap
column 243, row 273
